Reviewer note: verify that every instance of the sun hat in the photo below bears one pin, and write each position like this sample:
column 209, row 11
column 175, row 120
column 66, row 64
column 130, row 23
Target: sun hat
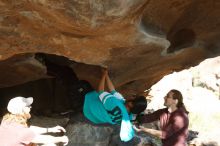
column 17, row 104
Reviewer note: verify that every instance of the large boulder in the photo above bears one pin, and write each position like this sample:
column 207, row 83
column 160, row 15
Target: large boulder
column 139, row 41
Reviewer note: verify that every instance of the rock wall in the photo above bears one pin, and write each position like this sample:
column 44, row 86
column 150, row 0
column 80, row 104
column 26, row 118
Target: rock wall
column 139, row 41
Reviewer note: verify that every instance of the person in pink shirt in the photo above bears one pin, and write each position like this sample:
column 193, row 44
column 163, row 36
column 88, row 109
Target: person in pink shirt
column 173, row 120
column 14, row 130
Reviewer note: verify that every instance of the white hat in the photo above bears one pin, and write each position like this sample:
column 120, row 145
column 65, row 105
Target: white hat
column 17, row 104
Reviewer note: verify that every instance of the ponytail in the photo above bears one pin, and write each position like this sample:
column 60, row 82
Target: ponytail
column 177, row 95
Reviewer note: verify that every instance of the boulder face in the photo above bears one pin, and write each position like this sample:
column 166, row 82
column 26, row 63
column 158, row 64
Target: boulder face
column 139, row 41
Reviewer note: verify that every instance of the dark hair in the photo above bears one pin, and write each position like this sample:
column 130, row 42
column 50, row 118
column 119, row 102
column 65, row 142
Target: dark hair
column 177, row 95
column 84, row 87
column 139, row 105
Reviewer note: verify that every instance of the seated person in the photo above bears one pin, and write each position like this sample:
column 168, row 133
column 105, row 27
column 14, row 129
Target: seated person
column 14, row 130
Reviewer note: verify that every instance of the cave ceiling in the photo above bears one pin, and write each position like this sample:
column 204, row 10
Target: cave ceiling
column 140, row 41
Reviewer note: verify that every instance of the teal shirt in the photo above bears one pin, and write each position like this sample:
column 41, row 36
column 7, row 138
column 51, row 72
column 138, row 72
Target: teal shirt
column 94, row 110
column 109, row 108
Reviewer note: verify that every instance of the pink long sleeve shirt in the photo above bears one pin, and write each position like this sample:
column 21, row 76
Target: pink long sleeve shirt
column 13, row 134
column 174, row 126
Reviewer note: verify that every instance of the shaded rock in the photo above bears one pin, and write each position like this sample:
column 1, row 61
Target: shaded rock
column 44, row 121
column 84, row 134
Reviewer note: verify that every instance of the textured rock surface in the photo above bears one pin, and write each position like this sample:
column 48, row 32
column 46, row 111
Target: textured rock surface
column 139, row 41
column 83, row 133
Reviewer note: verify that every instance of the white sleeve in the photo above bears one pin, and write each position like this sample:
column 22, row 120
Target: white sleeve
column 104, row 96
column 118, row 96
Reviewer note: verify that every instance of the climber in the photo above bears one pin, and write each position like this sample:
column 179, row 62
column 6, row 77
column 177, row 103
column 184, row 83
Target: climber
column 110, row 107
